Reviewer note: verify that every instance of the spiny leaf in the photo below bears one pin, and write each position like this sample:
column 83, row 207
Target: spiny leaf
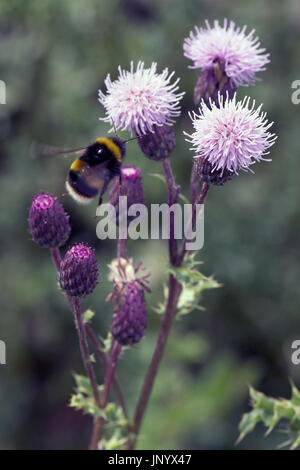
column 271, row 411
column 193, row 284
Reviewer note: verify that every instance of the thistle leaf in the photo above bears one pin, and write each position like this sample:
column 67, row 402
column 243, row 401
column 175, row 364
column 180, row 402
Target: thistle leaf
column 271, row 411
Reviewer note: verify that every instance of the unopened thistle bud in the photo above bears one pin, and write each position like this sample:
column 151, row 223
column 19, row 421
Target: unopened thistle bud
column 130, row 319
column 131, row 186
column 158, row 144
column 130, row 322
column 49, row 224
column 78, row 274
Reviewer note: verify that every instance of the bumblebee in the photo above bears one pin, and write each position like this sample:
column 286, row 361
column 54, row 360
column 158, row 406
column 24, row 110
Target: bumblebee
column 91, row 173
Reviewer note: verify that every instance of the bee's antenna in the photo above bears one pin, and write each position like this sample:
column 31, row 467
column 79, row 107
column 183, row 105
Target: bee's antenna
column 136, row 138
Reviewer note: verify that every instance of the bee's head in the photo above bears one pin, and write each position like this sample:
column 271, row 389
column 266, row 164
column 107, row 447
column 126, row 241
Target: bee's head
column 107, row 148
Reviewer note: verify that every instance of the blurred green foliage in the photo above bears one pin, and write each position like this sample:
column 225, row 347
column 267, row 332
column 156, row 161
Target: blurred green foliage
column 54, row 56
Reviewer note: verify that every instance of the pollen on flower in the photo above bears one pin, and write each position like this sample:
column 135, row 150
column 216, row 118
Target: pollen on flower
column 140, row 99
column 231, row 136
column 240, row 51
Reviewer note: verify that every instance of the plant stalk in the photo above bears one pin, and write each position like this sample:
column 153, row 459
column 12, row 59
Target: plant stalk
column 199, row 200
column 173, row 193
column 109, row 375
column 55, row 254
column 167, row 320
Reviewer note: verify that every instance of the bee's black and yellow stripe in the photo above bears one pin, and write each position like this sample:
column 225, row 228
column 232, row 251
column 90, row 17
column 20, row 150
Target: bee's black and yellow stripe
column 91, row 173
column 112, row 146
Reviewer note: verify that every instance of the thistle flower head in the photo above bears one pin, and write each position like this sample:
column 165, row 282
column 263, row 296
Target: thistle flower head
column 140, row 99
column 78, row 274
column 49, row 224
column 130, row 319
column 240, row 51
column 131, row 186
column 231, row 136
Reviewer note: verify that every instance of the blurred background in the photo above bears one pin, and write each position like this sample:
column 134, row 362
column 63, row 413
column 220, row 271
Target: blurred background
column 54, row 56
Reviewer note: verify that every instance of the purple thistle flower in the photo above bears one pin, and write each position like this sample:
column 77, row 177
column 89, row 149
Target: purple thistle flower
column 141, row 99
column 49, row 224
column 130, row 321
column 241, row 52
column 158, row 144
column 131, row 186
column 78, row 274
column 231, row 136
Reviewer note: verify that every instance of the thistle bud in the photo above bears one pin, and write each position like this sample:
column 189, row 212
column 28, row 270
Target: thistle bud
column 131, row 186
column 49, row 224
column 130, row 319
column 78, row 274
column 130, row 322
column 158, row 144
column 208, row 175
column 211, row 82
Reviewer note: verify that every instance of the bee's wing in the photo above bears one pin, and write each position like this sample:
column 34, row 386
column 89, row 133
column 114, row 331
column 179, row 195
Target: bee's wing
column 43, row 150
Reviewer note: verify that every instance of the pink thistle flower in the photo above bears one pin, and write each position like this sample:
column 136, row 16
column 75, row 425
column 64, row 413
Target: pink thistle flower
column 241, row 52
column 231, row 136
column 140, row 99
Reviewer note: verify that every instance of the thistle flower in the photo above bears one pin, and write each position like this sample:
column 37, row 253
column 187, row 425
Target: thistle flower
column 240, row 52
column 49, row 224
column 231, row 137
column 131, row 186
column 130, row 319
column 141, row 99
column 78, row 274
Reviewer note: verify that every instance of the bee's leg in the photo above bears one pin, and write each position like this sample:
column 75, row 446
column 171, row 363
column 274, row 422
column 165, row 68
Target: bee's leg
column 100, row 198
column 104, row 188
column 99, row 203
